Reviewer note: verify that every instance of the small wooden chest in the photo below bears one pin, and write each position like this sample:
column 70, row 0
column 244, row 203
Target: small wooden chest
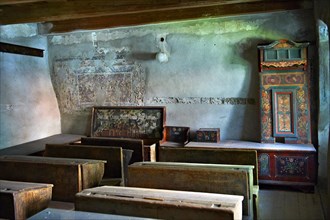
column 20, row 200
column 208, row 135
column 177, row 134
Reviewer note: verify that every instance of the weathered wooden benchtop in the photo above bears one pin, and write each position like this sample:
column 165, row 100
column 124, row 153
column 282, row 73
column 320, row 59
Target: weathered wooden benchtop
column 68, row 175
column 57, row 214
column 19, row 200
column 160, row 204
column 37, row 147
column 211, row 178
column 116, row 157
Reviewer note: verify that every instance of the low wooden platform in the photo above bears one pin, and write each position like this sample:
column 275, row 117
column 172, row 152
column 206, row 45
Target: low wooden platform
column 37, row 147
column 160, row 204
column 210, row 178
column 68, row 176
column 20, row 200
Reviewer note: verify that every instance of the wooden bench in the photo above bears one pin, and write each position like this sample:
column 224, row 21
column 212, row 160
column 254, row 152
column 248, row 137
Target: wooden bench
column 57, row 214
column 168, row 153
column 20, row 200
column 37, row 147
column 211, row 178
column 68, row 176
column 115, row 170
column 126, row 143
column 159, row 204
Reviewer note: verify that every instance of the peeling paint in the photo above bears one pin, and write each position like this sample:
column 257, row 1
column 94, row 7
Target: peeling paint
column 80, row 84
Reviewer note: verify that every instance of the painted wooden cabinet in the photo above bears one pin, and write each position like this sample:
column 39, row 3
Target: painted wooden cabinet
column 284, row 93
column 285, row 115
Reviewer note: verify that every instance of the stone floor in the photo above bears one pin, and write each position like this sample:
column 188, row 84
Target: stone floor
column 284, row 204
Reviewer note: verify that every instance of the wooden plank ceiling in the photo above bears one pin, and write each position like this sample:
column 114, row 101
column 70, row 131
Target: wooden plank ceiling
column 57, row 16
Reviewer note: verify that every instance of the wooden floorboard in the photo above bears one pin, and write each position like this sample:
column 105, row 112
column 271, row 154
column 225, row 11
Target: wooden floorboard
column 281, row 204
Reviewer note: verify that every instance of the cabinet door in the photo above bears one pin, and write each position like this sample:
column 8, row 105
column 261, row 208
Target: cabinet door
column 284, row 112
column 286, row 167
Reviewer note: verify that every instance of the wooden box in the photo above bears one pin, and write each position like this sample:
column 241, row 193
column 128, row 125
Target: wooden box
column 208, row 135
column 210, row 178
column 159, row 204
column 20, row 200
column 177, row 134
column 68, row 175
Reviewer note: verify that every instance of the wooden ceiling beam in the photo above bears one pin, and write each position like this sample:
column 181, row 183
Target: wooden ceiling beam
column 173, row 14
column 18, row 49
column 30, row 11
column 15, row 2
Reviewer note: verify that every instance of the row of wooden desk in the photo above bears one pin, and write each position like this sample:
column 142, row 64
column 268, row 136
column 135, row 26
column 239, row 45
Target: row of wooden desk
column 184, row 177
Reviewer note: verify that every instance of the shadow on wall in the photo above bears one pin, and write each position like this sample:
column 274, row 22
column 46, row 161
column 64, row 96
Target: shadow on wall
column 77, row 123
column 247, row 53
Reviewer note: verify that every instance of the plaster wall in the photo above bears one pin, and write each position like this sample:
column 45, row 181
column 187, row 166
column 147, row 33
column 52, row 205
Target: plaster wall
column 210, row 80
column 28, row 105
column 324, row 112
column 322, row 14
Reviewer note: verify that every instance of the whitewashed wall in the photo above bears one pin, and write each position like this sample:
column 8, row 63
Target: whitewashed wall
column 210, row 79
column 28, row 106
